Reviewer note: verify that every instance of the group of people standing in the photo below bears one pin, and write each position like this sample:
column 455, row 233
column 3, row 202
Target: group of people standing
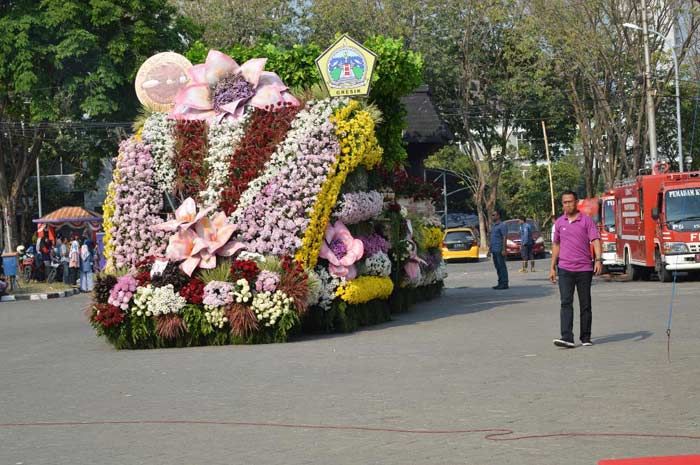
column 76, row 260
column 574, row 237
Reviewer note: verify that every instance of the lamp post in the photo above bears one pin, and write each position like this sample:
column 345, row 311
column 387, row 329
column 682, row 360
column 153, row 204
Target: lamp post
column 650, row 98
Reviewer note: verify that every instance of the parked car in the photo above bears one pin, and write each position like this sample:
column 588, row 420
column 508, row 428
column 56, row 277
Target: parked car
column 513, row 239
column 460, row 243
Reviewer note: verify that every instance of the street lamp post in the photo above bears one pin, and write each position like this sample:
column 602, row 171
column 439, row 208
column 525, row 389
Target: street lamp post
column 652, row 147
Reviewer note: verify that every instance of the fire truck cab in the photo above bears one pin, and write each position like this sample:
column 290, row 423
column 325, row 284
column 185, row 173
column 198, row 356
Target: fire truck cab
column 608, row 230
column 658, row 224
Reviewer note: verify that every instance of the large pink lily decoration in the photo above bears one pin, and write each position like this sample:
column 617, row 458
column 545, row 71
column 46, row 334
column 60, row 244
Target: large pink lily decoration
column 199, row 239
column 221, row 88
column 341, row 250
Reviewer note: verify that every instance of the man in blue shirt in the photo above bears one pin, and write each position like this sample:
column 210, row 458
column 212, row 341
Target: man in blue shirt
column 497, row 246
column 526, row 243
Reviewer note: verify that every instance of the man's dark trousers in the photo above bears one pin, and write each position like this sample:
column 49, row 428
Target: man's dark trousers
column 499, row 261
column 581, row 280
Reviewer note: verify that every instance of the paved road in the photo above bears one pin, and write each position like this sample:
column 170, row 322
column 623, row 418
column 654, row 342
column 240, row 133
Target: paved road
column 476, row 359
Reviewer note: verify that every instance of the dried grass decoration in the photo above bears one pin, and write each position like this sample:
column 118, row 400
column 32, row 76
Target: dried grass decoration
column 160, row 78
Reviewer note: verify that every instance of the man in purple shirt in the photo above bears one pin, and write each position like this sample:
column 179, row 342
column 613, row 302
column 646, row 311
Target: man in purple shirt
column 574, row 232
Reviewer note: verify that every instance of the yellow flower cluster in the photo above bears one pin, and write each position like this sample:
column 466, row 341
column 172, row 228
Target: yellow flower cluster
column 358, row 146
column 365, row 288
column 429, row 237
column 107, row 214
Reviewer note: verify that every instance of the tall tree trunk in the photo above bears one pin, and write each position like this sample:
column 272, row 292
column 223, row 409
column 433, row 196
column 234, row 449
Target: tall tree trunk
column 9, row 226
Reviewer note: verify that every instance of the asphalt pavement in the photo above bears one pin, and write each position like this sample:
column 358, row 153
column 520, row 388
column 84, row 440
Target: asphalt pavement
column 405, row 392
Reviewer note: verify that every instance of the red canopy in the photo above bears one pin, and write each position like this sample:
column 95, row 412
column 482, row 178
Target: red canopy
column 74, row 217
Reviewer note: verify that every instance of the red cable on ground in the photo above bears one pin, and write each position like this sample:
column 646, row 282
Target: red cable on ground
column 494, row 434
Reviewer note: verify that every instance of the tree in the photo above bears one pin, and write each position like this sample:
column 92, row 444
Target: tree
column 228, row 23
column 602, row 64
column 70, row 64
column 489, row 77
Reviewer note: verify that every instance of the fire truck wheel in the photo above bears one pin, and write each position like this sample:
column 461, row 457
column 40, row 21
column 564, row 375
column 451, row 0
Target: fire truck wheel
column 631, row 271
column 664, row 275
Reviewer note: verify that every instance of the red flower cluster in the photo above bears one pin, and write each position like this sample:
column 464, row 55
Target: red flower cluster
column 405, row 185
column 193, row 291
column 107, row 315
column 265, row 131
column 247, row 269
column 295, row 283
column 143, row 270
column 191, row 148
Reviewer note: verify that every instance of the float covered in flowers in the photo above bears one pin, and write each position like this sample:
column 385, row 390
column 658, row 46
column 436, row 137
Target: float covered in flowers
column 246, row 215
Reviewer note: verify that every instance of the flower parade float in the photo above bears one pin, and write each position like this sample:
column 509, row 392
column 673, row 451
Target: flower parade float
column 239, row 213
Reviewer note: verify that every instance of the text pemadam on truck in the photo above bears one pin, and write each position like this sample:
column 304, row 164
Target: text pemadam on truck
column 658, row 224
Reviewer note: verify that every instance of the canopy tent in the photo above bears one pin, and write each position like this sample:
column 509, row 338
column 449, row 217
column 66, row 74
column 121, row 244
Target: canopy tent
column 73, row 218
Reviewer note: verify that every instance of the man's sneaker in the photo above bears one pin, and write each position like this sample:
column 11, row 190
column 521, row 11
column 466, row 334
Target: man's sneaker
column 522, row 270
column 532, row 270
column 563, row 343
column 500, row 287
column 586, row 343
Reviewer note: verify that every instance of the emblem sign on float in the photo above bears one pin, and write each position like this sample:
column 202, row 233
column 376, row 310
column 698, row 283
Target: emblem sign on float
column 346, row 68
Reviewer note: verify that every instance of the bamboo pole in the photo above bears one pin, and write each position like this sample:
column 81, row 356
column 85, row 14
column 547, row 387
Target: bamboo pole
column 549, row 166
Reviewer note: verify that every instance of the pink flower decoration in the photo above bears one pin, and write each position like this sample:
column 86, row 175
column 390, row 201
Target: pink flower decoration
column 352, row 248
column 199, row 247
column 185, row 216
column 222, row 88
column 412, row 266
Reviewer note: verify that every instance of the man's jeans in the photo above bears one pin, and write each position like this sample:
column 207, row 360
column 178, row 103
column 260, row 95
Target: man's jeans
column 581, row 280
column 499, row 261
column 66, row 273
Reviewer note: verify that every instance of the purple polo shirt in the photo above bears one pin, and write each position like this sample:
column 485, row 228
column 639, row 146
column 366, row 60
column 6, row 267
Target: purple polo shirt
column 574, row 239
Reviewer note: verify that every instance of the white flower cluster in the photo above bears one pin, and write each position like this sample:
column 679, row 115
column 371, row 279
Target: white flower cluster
column 306, row 122
column 269, row 307
column 158, row 134
column 223, row 138
column 241, row 291
column 143, row 296
column 164, row 300
column 329, row 285
column 378, row 264
column 216, row 317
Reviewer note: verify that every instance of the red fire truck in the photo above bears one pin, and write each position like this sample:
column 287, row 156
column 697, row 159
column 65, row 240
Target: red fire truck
column 658, row 224
column 602, row 211
column 608, row 231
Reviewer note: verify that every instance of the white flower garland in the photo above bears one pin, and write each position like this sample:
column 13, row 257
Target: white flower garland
column 306, row 122
column 158, row 134
column 223, row 138
column 269, row 307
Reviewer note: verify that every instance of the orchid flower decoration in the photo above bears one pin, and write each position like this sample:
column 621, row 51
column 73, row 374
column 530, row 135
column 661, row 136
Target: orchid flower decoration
column 199, row 239
column 341, row 250
column 221, row 88
column 186, row 215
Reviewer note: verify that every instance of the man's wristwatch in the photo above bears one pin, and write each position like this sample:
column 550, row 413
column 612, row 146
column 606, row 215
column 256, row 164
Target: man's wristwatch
column 599, row 259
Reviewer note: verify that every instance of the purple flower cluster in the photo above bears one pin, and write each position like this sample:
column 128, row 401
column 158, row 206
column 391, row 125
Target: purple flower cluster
column 432, row 261
column 218, row 294
column 276, row 219
column 338, row 248
column 374, row 243
column 230, row 88
column 137, row 204
column 356, row 207
column 267, row 281
column 122, row 292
